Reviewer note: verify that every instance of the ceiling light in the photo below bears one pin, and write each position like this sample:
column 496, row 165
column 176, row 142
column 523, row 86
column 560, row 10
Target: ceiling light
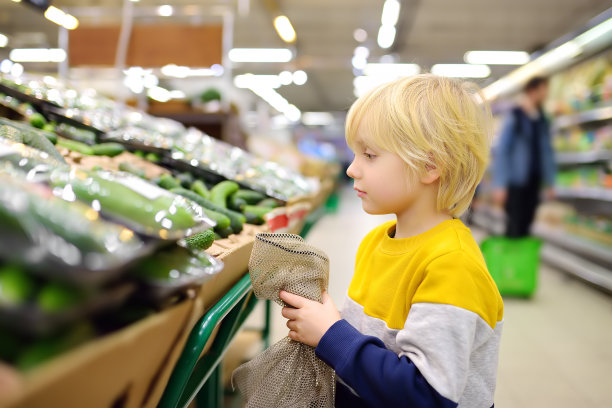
column 360, row 35
column 317, row 118
column 390, row 13
column 150, row 81
column 392, row 70
column 363, row 84
column 38, row 55
column 496, row 57
column 5, row 66
column 386, row 36
column 293, row 113
column 461, row 70
column 16, row 1
column 165, row 11
column 260, row 55
column 59, row 17
column 285, row 78
column 359, row 62
column 176, row 94
column 253, row 81
column 284, row 29
column 17, row 70
column 159, row 94
column 362, row 52
column 3, row 40
column 134, row 1
column 300, row 77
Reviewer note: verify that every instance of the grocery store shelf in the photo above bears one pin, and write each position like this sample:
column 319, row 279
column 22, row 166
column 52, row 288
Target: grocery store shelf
column 489, row 220
column 589, row 193
column 560, row 238
column 583, row 157
column 594, row 115
column 577, row 266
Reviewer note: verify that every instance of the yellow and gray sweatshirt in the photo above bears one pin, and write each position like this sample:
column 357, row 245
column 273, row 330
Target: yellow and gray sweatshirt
column 421, row 324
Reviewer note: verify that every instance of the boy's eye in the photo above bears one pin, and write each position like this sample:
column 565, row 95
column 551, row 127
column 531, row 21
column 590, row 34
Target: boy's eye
column 369, row 156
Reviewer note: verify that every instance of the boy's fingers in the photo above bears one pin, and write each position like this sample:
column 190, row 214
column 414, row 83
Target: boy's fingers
column 289, row 313
column 291, row 299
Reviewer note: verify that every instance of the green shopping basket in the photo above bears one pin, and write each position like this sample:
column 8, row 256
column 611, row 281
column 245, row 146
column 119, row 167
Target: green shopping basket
column 513, row 263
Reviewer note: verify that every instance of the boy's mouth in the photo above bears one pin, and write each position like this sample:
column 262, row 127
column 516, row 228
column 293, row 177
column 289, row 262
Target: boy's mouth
column 360, row 193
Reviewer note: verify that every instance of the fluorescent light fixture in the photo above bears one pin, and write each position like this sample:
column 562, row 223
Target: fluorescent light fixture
column 360, row 35
column 390, row 13
column 257, row 81
column 5, row 66
column 363, row 84
column 17, row 70
column 300, row 77
column 134, row 1
column 3, row 40
column 285, row 78
column 277, row 101
column 16, row 1
column 359, row 62
column 176, row 94
column 317, row 118
column 284, row 29
column 293, row 113
column 159, row 94
column 496, row 57
column 461, row 70
column 62, row 18
column 150, row 81
column 392, row 70
column 386, row 36
column 38, row 55
column 165, row 11
column 260, row 55
column 362, row 52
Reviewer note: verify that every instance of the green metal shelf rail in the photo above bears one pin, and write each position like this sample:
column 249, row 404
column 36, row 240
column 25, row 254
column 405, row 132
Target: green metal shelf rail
column 192, row 377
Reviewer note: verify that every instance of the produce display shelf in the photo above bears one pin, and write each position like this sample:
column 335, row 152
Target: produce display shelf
column 589, row 193
column 577, row 266
column 583, row 157
column 576, row 244
column 593, row 115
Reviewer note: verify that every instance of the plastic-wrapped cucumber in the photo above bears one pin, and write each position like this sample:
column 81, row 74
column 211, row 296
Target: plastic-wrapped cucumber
column 222, row 220
column 220, row 192
column 133, row 201
column 29, row 135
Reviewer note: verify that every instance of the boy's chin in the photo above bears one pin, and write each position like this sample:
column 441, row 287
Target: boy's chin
column 372, row 210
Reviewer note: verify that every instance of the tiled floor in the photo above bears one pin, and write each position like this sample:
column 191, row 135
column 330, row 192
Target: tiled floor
column 556, row 347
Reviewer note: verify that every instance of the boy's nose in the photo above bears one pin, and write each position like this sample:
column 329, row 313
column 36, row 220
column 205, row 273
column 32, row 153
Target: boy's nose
column 351, row 171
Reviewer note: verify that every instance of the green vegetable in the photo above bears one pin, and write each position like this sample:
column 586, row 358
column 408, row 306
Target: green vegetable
column 217, row 236
column 255, row 213
column 222, row 220
column 16, row 286
column 168, row 182
column 107, row 149
column 269, row 203
column 186, row 179
column 55, row 297
column 152, row 157
column 202, row 240
column 236, row 219
column 28, row 135
column 78, row 134
column 139, row 153
column 236, row 203
column 171, row 264
column 220, row 192
column 49, row 127
column 225, row 232
column 130, row 168
column 199, row 187
column 52, row 137
column 75, row 146
column 37, row 120
column 121, row 201
column 250, row 196
column 211, row 94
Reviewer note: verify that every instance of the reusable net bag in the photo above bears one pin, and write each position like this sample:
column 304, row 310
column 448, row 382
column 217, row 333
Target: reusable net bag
column 288, row 374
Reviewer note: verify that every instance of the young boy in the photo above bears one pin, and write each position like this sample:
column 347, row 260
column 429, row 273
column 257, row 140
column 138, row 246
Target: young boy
column 422, row 321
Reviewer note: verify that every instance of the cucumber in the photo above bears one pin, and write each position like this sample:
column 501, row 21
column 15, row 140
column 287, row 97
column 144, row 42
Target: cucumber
column 255, row 213
column 107, row 149
column 250, row 196
column 130, row 168
column 269, row 203
column 186, row 179
column 75, row 146
column 37, row 120
column 28, row 135
column 52, row 137
column 223, row 221
column 202, row 240
column 220, row 192
column 139, row 153
column 75, row 133
column 199, row 187
column 121, row 201
column 236, row 219
column 168, row 182
column 236, row 203
column 15, row 284
column 55, row 297
column 225, row 232
column 152, row 157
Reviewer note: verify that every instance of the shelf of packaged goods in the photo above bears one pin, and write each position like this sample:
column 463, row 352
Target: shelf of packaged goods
column 577, row 266
column 489, row 220
column 593, row 115
column 589, row 193
column 590, row 249
column 583, row 157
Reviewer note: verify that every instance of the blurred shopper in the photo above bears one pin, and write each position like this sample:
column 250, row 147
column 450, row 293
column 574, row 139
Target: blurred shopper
column 524, row 162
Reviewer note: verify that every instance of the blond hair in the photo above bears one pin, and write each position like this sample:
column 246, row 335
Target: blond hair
column 430, row 120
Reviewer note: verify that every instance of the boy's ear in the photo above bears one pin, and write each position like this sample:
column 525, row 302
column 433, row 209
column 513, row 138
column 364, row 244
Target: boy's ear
column 431, row 174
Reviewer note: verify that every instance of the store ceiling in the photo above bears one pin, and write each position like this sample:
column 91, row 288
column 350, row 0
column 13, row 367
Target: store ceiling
column 429, row 32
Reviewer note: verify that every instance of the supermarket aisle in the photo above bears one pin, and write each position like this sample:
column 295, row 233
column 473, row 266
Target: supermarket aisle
column 555, row 347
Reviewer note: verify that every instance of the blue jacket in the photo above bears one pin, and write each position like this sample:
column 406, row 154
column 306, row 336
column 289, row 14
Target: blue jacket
column 512, row 158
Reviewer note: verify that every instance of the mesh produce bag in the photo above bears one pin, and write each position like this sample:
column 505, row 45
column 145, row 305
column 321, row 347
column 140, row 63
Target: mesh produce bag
column 288, row 374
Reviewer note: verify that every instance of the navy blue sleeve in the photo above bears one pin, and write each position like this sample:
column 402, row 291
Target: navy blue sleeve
column 501, row 163
column 378, row 375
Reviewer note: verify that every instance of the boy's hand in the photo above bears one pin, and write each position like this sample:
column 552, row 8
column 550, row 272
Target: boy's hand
column 309, row 321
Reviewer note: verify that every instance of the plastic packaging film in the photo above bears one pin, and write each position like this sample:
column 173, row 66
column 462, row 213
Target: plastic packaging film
column 288, row 374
